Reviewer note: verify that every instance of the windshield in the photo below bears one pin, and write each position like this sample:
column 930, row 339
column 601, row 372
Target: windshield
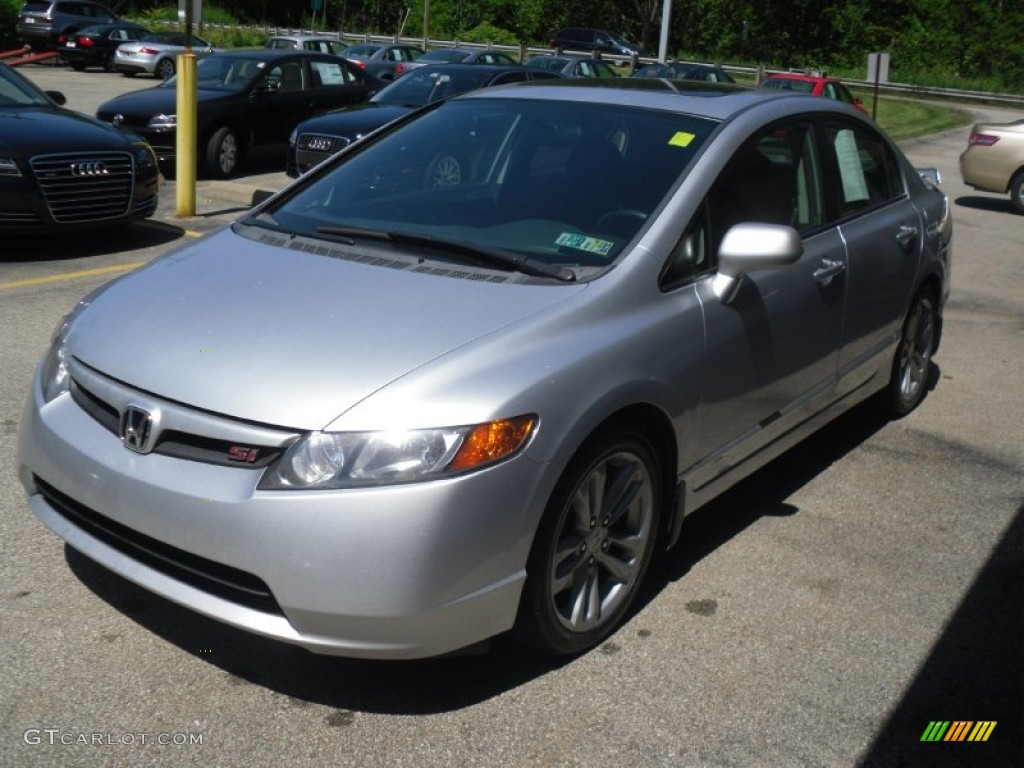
column 16, row 92
column 567, row 184
column 423, row 86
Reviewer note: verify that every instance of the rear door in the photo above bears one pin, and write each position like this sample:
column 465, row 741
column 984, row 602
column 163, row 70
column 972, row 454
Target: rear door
column 337, row 83
column 883, row 232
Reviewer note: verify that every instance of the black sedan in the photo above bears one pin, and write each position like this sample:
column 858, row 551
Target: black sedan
column 62, row 170
column 680, row 71
column 317, row 139
column 94, row 46
column 246, row 99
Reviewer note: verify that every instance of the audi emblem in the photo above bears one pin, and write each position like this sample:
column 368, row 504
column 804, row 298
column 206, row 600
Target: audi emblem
column 89, row 168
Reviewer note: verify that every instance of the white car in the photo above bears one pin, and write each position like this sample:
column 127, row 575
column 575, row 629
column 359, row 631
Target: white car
column 157, row 54
column 306, row 43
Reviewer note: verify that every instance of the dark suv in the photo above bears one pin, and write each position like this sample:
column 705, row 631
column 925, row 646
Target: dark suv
column 590, row 39
column 41, row 22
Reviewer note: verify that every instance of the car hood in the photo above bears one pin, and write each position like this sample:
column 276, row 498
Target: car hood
column 281, row 336
column 354, row 121
column 155, row 101
column 31, row 131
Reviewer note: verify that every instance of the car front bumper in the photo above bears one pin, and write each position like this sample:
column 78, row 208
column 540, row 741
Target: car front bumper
column 394, row 572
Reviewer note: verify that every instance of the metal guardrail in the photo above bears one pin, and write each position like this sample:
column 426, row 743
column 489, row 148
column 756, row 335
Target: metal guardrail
column 522, row 52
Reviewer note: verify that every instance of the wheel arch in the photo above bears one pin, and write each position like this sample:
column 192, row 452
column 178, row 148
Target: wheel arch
column 932, row 283
column 205, row 133
column 651, row 422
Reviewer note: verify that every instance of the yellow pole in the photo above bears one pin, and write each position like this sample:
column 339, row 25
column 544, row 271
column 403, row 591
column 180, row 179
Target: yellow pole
column 185, row 149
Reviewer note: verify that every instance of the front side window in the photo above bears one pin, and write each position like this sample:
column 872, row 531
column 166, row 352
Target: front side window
column 775, row 178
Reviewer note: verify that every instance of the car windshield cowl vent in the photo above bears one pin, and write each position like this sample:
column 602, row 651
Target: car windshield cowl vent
column 412, row 264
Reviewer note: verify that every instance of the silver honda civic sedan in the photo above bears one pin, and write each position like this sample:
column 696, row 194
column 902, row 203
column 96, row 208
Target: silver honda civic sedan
column 390, row 413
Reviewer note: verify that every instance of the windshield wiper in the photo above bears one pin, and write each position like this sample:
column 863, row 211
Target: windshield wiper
column 525, row 264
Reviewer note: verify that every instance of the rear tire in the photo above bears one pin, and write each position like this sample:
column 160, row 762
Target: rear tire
column 911, row 367
column 1017, row 192
column 593, row 545
column 164, row 69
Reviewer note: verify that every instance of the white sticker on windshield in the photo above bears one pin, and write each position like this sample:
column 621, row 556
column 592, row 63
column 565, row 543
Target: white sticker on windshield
column 584, row 243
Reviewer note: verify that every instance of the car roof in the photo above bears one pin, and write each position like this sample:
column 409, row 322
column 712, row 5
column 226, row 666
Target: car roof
column 460, row 67
column 798, row 76
column 269, row 54
column 718, row 101
column 305, row 38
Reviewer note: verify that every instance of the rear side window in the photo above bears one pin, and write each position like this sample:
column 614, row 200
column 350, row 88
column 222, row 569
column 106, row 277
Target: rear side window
column 330, row 73
column 868, row 174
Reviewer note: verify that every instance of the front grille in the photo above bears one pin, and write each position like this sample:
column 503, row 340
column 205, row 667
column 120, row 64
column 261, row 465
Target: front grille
column 209, row 576
column 180, row 445
column 318, row 143
column 85, row 186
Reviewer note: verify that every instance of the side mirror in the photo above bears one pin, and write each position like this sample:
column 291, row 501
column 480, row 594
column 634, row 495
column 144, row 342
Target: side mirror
column 930, row 175
column 749, row 247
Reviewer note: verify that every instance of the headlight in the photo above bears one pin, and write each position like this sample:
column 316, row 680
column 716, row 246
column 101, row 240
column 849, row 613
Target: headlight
column 359, row 459
column 163, row 122
column 54, row 376
column 293, row 137
column 9, row 167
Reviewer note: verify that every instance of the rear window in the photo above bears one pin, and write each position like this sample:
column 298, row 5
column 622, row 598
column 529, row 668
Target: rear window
column 36, row 6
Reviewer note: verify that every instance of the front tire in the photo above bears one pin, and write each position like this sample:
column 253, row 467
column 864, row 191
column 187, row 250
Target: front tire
column 912, row 365
column 222, row 152
column 593, row 546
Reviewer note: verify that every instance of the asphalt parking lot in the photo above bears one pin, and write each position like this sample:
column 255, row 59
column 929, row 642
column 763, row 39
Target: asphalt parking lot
column 823, row 613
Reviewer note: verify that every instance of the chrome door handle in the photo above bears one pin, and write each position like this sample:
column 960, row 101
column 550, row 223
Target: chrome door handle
column 829, row 268
column 906, row 235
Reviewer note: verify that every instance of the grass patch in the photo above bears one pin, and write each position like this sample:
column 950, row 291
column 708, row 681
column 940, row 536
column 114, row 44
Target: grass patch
column 908, row 119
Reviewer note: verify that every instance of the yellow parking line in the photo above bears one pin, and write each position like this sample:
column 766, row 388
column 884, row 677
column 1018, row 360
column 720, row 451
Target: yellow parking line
column 70, row 276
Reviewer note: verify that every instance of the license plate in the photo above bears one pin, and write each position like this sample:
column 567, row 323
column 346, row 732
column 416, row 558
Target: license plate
column 70, row 44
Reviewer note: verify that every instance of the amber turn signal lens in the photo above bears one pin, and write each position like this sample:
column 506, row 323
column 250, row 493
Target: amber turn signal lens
column 490, row 442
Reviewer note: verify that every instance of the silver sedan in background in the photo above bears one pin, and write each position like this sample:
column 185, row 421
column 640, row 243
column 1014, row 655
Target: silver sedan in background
column 157, row 54
column 382, row 417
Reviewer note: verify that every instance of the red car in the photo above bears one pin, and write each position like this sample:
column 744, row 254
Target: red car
column 828, row 87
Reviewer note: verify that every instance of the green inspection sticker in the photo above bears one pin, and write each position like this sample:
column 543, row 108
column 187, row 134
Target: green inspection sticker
column 584, row 243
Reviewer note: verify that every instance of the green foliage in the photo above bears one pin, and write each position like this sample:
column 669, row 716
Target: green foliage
column 488, row 33
column 974, row 44
column 8, row 19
